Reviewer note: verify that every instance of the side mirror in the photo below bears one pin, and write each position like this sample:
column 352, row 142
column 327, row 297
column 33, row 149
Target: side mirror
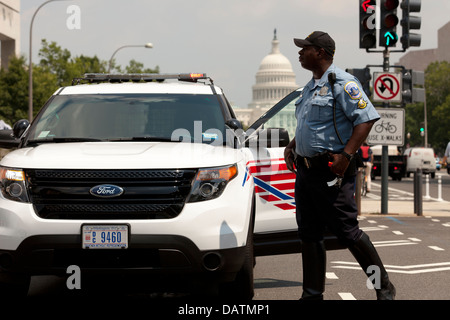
column 234, row 124
column 273, row 138
column 7, row 140
column 20, row 127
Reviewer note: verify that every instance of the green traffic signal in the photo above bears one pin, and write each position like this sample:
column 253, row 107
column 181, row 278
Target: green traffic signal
column 390, row 39
column 388, row 23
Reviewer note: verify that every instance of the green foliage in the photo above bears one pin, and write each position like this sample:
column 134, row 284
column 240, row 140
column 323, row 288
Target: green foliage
column 56, row 68
column 437, row 83
column 437, row 88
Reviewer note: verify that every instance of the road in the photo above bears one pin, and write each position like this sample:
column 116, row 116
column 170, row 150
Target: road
column 415, row 251
column 407, row 186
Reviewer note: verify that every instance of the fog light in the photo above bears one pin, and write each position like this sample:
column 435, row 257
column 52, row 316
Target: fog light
column 207, row 190
column 14, row 190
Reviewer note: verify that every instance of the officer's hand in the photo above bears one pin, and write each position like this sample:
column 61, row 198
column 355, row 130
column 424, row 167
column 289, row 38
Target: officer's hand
column 289, row 159
column 339, row 165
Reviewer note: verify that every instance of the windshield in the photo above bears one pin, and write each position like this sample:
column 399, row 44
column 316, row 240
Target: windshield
column 129, row 117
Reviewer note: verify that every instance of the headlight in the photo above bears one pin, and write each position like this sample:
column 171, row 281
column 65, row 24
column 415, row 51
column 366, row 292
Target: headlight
column 13, row 184
column 210, row 183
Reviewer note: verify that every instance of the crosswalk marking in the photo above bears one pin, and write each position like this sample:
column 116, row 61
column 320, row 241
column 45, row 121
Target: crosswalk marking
column 418, row 268
column 436, row 248
column 331, row 275
column 346, row 296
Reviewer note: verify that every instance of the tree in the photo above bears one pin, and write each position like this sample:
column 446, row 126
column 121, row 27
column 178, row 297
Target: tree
column 138, row 67
column 437, row 88
column 56, row 68
column 14, row 89
column 437, row 84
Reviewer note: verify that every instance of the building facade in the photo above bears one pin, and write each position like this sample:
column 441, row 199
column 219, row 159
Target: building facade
column 9, row 30
column 420, row 59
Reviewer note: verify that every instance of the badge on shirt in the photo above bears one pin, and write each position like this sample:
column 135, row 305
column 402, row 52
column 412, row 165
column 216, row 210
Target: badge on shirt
column 362, row 104
column 323, row 91
column 353, row 91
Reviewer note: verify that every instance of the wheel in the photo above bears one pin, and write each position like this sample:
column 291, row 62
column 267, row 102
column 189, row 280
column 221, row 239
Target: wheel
column 242, row 287
column 433, row 174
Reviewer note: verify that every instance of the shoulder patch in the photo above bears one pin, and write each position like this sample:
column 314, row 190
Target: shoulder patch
column 353, row 90
column 362, row 104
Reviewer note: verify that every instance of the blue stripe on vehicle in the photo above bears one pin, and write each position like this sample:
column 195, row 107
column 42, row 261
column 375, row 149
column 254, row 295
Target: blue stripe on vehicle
column 271, row 189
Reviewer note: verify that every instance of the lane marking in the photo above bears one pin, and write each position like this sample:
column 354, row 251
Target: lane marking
column 409, row 194
column 365, row 229
column 424, row 268
column 346, row 296
column 391, row 243
column 399, row 233
column 395, row 220
column 436, row 248
column 331, row 275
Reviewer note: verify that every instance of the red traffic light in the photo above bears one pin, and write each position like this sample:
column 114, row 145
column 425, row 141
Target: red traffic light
column 390, row 20
column 390, row 4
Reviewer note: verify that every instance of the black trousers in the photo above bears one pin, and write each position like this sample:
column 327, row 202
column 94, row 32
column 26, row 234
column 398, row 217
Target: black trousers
column 320, row 206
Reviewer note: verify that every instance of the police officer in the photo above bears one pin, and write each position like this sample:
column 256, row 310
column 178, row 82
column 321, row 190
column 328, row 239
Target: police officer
column 334, row 117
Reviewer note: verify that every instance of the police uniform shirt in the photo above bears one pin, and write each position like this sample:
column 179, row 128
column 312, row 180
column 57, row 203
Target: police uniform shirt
column 315, row 131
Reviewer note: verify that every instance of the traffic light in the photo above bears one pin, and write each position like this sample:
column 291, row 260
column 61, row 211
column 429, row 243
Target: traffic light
column 367, row 27
column 410, row 22
column 388, row 23
column 410, row 80
column 422, row 129
column 363, row 75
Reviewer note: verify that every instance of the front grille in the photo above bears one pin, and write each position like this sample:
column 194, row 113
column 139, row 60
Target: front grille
column 148, row 194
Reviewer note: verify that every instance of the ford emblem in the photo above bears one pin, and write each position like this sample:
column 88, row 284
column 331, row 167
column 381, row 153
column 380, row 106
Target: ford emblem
column 106, row 191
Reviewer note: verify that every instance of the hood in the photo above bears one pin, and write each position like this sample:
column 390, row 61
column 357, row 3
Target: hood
column 121, row 155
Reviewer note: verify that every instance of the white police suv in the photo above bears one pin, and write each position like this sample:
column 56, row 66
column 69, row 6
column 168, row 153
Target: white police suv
column 145, row 174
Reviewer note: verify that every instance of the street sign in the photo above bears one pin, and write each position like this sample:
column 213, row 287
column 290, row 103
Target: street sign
column 389, row 130
column 387, row 87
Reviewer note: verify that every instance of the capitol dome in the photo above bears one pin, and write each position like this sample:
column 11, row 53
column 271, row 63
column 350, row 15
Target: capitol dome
column 274, row 79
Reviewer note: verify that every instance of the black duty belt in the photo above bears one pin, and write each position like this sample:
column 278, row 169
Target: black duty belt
column 318, row 161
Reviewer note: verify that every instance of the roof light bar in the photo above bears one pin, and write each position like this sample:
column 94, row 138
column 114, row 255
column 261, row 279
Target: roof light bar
column 136, row 77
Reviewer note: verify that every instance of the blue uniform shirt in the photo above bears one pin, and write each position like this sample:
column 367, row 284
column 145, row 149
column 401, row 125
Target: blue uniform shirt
column 315, row 131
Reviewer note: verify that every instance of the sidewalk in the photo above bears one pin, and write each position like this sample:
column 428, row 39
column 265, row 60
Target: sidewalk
column 403, row 207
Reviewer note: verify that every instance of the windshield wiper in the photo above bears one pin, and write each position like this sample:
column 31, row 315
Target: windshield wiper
column 57, row 140
column 147, row 138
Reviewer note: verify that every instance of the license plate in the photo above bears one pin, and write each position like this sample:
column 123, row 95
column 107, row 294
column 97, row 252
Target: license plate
column 104, row 236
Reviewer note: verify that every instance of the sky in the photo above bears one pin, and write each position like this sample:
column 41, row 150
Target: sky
column 227, row 39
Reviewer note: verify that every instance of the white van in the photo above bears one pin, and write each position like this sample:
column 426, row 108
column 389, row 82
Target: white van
column 422, row 158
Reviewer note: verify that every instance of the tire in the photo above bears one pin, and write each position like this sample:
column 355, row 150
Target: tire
column 242, row 287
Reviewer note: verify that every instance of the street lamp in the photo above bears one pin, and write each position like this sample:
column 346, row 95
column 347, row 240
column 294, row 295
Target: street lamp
column 30, row 67
column 147, row 45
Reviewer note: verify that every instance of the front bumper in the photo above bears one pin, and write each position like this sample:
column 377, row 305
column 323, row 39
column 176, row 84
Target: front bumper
column 150, row 255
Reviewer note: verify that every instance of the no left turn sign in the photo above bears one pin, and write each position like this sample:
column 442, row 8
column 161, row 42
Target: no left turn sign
column 387, row 87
